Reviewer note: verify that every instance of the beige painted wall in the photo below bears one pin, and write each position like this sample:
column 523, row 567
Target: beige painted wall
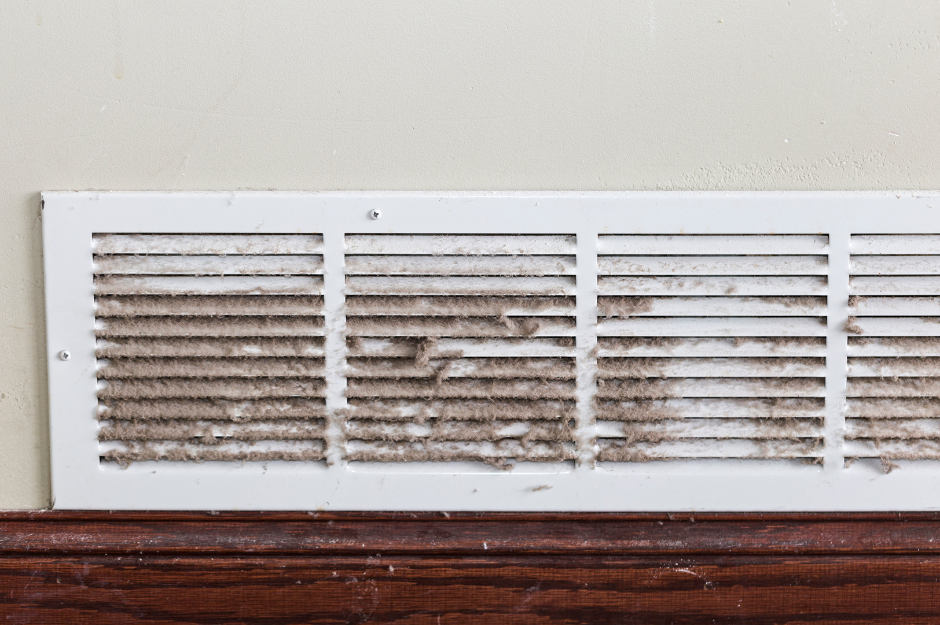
column 480, row 94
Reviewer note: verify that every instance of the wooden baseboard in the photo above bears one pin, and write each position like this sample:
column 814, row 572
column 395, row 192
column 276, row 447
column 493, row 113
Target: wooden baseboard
column 285, row 568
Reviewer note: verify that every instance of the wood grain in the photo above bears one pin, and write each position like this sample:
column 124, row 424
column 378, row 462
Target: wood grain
column 285, row 568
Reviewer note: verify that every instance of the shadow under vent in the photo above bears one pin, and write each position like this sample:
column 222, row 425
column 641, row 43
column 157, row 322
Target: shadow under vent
column 461, row 348
column 893, row 410
column 711, row 347
column 210, row 347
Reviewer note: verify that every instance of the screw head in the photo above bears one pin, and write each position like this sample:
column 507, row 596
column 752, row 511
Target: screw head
column 375, row 213
column 65, row 355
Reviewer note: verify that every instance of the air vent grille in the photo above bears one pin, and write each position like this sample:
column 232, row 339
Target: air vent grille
column 460, row 348
column 893, row 410
column 580, row 352
column 210, row 347
column 711, row 347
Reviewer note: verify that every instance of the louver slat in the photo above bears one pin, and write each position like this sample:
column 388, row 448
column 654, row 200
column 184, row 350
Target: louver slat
column 208, row 285
column 893, row 370
column 245, row 347
column 460, row 348
column 210, row 347
column 711, row 347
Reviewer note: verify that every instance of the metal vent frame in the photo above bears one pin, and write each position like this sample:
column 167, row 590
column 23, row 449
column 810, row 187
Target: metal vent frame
column 80, row 482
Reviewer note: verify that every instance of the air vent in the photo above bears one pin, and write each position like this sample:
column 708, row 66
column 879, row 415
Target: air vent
column 711, row 347
column 209, row 347
column 893, row 409
column 478, row 352
column 460, row 348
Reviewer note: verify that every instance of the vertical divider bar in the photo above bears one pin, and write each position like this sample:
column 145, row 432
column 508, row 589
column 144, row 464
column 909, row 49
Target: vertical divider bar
column 837, row 310
column 334, row 311
column 586, row 346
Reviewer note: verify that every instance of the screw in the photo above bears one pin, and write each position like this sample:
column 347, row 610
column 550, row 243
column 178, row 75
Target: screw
column 375, row 213
column 64, row 355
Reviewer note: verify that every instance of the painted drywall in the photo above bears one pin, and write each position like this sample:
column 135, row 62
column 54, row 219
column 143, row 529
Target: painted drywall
column 482, row 94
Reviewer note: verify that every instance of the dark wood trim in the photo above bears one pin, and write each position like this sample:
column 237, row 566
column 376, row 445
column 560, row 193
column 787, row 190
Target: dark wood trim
column 319, row 567
column 285, row 533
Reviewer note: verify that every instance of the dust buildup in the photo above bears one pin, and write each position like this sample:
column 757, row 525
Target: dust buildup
column 890, row 460
column 637, row 389
column 212, row 368
column 207, row 305
column 204, row 378
column 623, row 451
column 469, row 327
column 457, row 306
column 892, row 429
column 710, row 408
column 193, row 347
column 730, row 346
column 210, row 326
column 715, row 387
column 420, row 410
column 143, row 453
column 502, row 454
column 806, row 450
column 624, row 306
column 631, row 343
column 893, row 387
column 893, row 408
column 900, row 346
column 919, row 366
column 894, row 414
column 851, row 326
column 887, row 466
column 436, row 430
column 248, row 388
column 437, row 388
column 802, row 302
column 653, row 367
column 494, row 368
column 217, row 409
column 511, row 399
column 210, row 433
column 425, row 348
column 681, row 398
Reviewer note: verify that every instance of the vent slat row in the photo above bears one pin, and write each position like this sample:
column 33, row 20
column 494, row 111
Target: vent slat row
column 893, row 348
column 460, row 348
column 711, row 347
column 210, row 347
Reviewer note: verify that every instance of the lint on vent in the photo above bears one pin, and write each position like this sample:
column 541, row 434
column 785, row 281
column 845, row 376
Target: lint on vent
column 460, row 348
column 484, row 352
column 209, row 347
column 711, row 347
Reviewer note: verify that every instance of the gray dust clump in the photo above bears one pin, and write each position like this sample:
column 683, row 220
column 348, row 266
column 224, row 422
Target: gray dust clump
column 888, row 466
column 624, row 306
column 621, row 452
column 851, row 326
column 801, row 302
column 426, row 347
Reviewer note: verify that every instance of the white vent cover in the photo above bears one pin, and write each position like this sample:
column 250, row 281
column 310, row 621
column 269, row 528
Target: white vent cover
column 513, row 352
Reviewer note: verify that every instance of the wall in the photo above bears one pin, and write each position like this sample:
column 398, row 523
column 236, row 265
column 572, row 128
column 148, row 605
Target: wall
column 483, row 94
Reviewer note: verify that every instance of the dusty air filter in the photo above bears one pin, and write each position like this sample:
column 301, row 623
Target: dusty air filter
column 559, row 352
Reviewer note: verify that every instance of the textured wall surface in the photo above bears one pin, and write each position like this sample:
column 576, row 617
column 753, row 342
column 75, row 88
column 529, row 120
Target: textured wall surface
column 642, row 94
